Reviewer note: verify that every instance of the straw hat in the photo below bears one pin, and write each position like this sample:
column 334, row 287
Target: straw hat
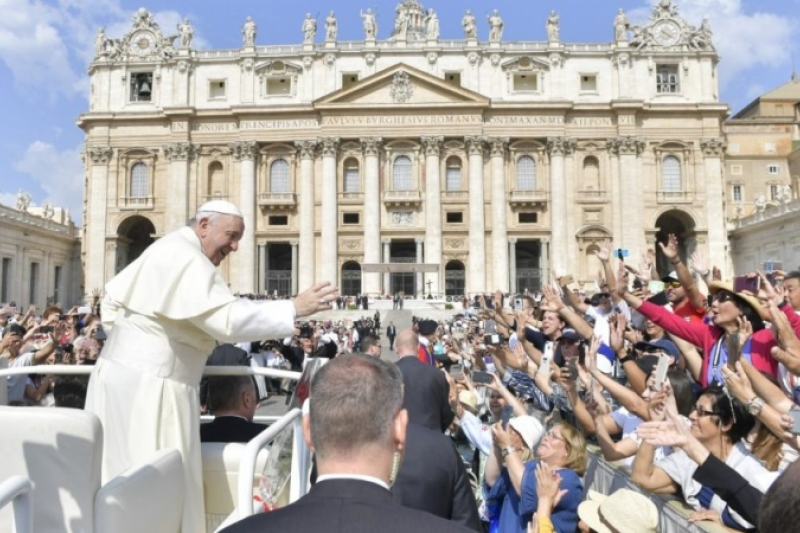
column 469, row 400
column 750, row 299
column 625, row 510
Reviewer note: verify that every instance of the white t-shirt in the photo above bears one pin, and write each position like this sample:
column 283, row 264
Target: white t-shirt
column 680, row 468
column 16, row 384
column 629, row 422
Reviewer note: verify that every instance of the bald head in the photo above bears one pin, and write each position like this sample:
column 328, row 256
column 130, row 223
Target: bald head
column 407, row 343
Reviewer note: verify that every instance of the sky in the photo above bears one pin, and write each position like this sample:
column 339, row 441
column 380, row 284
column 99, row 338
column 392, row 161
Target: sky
column 46, row 46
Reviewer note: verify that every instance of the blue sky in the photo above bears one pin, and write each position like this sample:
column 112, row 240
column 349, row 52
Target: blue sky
column 45, row 47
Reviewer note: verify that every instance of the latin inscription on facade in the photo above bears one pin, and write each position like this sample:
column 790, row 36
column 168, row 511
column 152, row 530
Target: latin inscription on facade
column 405, row 120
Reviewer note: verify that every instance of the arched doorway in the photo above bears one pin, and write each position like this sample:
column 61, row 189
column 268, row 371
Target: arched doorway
column 682, row 226
column 454, row 279
column 135, row 234
column 351, row 279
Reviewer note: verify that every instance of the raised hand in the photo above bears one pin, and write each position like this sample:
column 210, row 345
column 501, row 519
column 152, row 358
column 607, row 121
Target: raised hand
column 317, row 298
column 670, row 432
column 553, row 300
column 618, row 324
column 548, row 485
column 699, row 264
column 590, row 361
column 670, row 250
column 604, row 252
column 738, row 383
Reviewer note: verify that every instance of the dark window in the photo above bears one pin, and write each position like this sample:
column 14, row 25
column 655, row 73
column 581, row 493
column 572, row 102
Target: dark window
column 351, row 218
column 141, row 87
column 528, row 218
column 455, row 218
column 279, row 220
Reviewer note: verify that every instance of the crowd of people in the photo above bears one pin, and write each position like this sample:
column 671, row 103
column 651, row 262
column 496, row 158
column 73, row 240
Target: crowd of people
column 689, row 382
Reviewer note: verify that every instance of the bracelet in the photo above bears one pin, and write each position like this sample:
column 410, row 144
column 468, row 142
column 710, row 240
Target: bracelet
column 508, row 450
column 627, row 359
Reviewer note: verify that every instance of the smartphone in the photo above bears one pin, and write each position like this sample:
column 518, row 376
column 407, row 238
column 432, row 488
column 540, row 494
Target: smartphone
column 84, row 310
column 494, row 339
column 743, row 283
column 490, row 327
column 661, row 372
column 620, row 254
column 46, row 329
column 481, row 378
column 637, row 284
column 566, row 280
column 734, row 349
column 655, row 287
column 795, row 414
column 518, row 304
column 457, row 371
column 544, row 367
column 505, row 415
column 572, row 369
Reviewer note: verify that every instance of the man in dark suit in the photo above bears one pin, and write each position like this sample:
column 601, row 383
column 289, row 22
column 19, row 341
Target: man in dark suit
column 234, row 401
column 391, row 332
column 357, row 428
column 426, row 388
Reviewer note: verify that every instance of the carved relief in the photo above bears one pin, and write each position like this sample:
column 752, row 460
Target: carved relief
column 497, row 146
column 401, row 89
column 371, row 145
column 560, row 145
column 433, row 145
column 350, row 244
column 244, row 150
column 370, row 59
column 100, row 155
column 454, row 243
column 713, row 147
column 475, row 145
column 329, row 145
column 626, row 145
column 180, row 151
column 402, row 218
column 307, row 149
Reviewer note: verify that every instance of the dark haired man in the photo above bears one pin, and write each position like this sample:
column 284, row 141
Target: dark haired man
column 234, row 401
column 371, row 345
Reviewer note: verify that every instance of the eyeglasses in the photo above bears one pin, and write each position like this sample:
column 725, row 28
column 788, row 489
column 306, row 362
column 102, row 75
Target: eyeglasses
column 722, row 297
column 703, row 412
column 553, row 435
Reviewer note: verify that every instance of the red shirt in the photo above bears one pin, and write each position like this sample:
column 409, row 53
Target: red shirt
column 689, row 313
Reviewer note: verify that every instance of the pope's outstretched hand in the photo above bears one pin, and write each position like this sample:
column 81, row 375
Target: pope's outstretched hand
column 317, row 298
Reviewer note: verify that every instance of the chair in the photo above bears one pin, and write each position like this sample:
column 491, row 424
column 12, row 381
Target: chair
column 60, row 451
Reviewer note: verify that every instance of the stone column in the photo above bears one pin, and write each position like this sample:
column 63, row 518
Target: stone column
column 477, row 232
column 96, row 217
column 631, row 200
column 306, row 262
column 263, row 267
column 499, row 208
column 294, row 243
column 559, row 147
column 372, row 213
column 433, row 211
column 512, row 256
column 713, row 150
column 418, row 281
column 330, row 222
column 544, row 260
column 612, row 145
column 184, row 71
column 179, row 155
column 246, row 153
column 387, row 258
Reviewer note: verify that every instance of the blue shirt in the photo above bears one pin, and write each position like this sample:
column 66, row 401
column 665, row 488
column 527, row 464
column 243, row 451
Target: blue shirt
column 516, row 511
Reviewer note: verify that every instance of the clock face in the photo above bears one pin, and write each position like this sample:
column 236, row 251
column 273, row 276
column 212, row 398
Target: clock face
column 667, row 32
column 142, row 43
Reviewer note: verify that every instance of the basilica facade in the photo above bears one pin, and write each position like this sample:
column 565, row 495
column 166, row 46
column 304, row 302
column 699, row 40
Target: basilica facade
column 409, row 162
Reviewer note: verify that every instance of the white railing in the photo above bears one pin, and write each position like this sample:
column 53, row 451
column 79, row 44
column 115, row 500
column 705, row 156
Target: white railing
column 18, row 489
column 301, row 457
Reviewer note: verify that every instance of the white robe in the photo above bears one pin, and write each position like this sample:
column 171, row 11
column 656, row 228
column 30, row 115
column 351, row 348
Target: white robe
column 163, row 314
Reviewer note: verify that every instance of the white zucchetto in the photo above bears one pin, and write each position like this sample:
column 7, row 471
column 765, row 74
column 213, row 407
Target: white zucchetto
column 220, row 206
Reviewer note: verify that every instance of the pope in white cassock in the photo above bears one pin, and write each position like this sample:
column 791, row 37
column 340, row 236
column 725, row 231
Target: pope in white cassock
column 163, row 314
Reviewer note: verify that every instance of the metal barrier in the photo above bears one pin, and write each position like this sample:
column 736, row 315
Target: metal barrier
column 18, row 489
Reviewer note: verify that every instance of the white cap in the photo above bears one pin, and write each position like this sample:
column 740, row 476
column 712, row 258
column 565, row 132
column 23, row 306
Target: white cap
column 220, row 206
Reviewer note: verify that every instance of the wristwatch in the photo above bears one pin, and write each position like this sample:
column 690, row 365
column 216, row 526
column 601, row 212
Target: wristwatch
column 508, row 450
column 755, row 405
column 626, row 359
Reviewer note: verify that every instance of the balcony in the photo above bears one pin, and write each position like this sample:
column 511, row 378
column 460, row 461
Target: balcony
column 592, row 197
column 528, row 198
column 137, row 204
column 351, row 198
column 277, row 201
column 455, row 197
column 402, row 198
column 673, row 197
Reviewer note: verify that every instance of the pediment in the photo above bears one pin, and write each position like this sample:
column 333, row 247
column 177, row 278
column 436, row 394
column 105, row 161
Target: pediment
column 277, row 68
column 402, row 85
column 525, row 64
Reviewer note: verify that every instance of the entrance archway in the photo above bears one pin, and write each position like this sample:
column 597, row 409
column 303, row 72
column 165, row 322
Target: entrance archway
column 351, row 279
column 279, row 269
column 135, row 235
column 454, row 279
column 682, row 226
column 403, row 252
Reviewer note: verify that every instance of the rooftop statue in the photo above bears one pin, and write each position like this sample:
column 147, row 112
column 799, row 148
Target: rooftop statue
column 621, row 26
column 470, row 25
column 553, row 28
column 431, row 25
column 495, row 27
column 187, row 33
column 370, row 25
column 249, row 32
column 309, row 29
column 331, row 27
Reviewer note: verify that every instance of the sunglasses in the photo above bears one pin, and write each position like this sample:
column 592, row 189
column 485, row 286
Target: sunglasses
column 722, row 297
column 672, row 284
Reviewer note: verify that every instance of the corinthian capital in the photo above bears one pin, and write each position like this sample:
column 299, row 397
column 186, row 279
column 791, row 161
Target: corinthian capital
column 329, row 146
column 497, row 146
column 180, row 151
column 244, row 150
column 100, row 155
column 432, row 144
column 371, row 145
column 713, row 147
column 560, row 145
column 475, row 145
column 307, row 149
column 626, row 145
